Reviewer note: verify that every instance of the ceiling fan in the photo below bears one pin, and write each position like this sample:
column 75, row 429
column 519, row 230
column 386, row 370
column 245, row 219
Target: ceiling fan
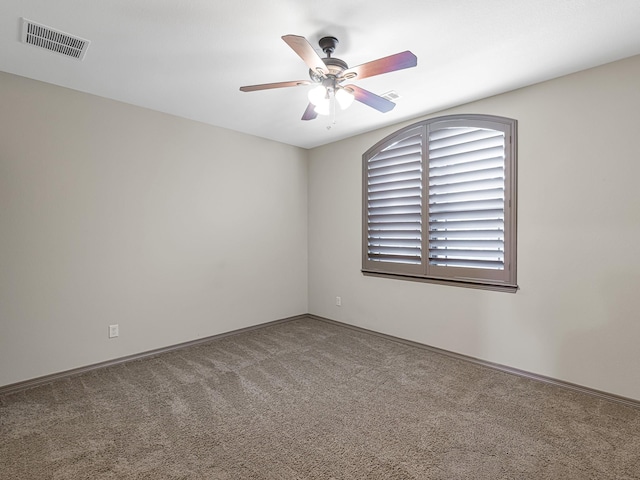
column 330, row 73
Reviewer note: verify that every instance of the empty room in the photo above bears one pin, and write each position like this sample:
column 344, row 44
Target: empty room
column 319, row 240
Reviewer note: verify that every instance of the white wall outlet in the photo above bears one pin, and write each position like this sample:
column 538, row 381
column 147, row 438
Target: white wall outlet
column 339, row 301
column 113, row 331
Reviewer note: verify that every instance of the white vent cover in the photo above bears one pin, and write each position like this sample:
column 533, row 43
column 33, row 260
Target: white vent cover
column 391, row 95
column 54, row 40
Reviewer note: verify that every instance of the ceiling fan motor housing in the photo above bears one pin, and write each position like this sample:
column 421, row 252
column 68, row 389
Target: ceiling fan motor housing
column 335, row 67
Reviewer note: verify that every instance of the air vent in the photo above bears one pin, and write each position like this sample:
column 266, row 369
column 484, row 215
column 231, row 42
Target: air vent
column 53, row 40
column 391, row 95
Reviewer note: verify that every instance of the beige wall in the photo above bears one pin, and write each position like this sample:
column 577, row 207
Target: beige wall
column 110, row 213
column 577, row 314
column 115, row 214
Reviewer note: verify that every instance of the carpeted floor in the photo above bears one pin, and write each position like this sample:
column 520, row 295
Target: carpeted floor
column 307, row 399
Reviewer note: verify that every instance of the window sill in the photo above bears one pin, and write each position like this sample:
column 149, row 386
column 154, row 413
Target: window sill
column 455, row 283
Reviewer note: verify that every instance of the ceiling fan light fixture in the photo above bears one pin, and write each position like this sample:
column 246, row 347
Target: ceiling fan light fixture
column 324, row 107
column 344, row 98
column 318, row 95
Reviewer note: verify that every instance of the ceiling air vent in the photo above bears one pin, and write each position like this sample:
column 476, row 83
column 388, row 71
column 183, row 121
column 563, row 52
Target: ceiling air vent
column 391, row 95
column 54, row 40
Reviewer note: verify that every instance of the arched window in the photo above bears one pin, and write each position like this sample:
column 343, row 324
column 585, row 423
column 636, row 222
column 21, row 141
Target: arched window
column 440, row 202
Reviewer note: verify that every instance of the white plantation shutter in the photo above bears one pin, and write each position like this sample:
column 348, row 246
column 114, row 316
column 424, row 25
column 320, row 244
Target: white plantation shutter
column 439, row 202
column 466, row 197
column 394, row 202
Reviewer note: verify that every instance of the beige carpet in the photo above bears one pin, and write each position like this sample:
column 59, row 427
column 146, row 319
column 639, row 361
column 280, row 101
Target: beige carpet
column 308, row 399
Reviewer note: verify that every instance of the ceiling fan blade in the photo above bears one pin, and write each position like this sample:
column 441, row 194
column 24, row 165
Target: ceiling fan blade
column 310, row 112
column 374, row 101
column 267, row 86
column 391, row 63
column 305, row 51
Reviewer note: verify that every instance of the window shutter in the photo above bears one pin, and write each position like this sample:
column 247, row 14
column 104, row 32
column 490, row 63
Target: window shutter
column 394, row 202
column 440, row 203
column 467, row 197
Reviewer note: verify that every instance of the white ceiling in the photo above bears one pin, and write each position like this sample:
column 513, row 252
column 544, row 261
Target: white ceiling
column 189, row 57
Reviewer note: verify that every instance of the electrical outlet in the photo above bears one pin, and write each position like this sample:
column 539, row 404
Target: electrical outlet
column 339, row 301
column 113, row 331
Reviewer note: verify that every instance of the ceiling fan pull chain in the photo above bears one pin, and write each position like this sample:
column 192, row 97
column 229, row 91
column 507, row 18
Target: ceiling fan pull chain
column 332, row 110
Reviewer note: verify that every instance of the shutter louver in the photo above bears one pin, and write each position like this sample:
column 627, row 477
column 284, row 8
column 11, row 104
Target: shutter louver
column 466, row 198
column 394, row 203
